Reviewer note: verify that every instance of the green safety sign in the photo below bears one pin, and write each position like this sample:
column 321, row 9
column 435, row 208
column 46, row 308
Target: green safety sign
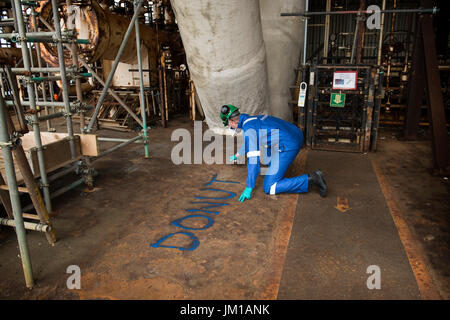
column 337, row 100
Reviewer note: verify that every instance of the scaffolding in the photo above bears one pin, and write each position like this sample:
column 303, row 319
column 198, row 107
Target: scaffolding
column 43, row 108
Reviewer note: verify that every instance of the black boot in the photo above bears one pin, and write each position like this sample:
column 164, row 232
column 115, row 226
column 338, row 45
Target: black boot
column 317, row 179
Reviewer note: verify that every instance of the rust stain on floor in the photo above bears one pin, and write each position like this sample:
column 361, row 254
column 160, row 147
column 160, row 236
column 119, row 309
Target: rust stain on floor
column 342, row 204
column 414, row 253
column 240, row 257
column 285, row 223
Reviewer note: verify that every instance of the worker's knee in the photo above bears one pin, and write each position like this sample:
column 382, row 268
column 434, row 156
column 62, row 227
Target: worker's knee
column 269, row 187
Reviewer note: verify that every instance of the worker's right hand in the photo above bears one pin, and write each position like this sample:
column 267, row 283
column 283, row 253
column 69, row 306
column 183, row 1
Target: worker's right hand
column 247, row 194
column 233, row 158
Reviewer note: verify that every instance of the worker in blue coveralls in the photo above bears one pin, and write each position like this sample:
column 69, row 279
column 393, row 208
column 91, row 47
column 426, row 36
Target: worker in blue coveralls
column 281, row 141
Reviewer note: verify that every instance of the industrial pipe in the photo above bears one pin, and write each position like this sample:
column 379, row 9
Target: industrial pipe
column 62, row 173
column 104, row 30
column 106, row 152
column 14, row 194
column 74, row 53
column 50, row 116
column 57, row 104
column 63, row 73
column 63, row 190
column 225, row 52
column 28, row 35
column 41, row 227
column 141, row 84
column 36, row 129
column 33, row 70
column 305, row 38
column 320, row 13
column 106, row 139
column 39, row 58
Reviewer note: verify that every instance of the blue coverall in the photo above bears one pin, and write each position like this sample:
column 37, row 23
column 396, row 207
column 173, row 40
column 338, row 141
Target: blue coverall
column 270, row 134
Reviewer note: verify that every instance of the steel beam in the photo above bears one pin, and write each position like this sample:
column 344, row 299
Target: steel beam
column 426, row 75
column 376, row 111
column 380, row 37
column 440, row 142
column 362, row 30
column 416, row 90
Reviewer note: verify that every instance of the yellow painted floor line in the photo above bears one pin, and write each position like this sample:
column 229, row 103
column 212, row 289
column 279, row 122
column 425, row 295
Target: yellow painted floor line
column 285, row 223
column 412, row 249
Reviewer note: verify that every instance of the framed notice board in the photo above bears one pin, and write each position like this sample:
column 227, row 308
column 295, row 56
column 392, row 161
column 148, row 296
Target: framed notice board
column 345, row 80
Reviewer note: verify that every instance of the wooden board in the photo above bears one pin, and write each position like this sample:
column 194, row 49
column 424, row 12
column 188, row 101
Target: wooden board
column 56, row 155
column 56, row 151
column 89, row 145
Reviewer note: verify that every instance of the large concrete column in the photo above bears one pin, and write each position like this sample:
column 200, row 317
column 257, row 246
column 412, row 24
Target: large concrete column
column 225, row 53
column 283, row 38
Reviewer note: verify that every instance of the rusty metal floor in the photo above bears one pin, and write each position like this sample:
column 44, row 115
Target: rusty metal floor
column 332, row 246
column 284, row 246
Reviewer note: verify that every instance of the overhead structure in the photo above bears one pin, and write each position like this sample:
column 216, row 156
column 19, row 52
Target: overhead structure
column 104, row 30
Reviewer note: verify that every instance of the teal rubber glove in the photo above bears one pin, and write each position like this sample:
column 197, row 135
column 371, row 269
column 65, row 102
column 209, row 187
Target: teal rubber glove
column 233, row 158
column 247, row 194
